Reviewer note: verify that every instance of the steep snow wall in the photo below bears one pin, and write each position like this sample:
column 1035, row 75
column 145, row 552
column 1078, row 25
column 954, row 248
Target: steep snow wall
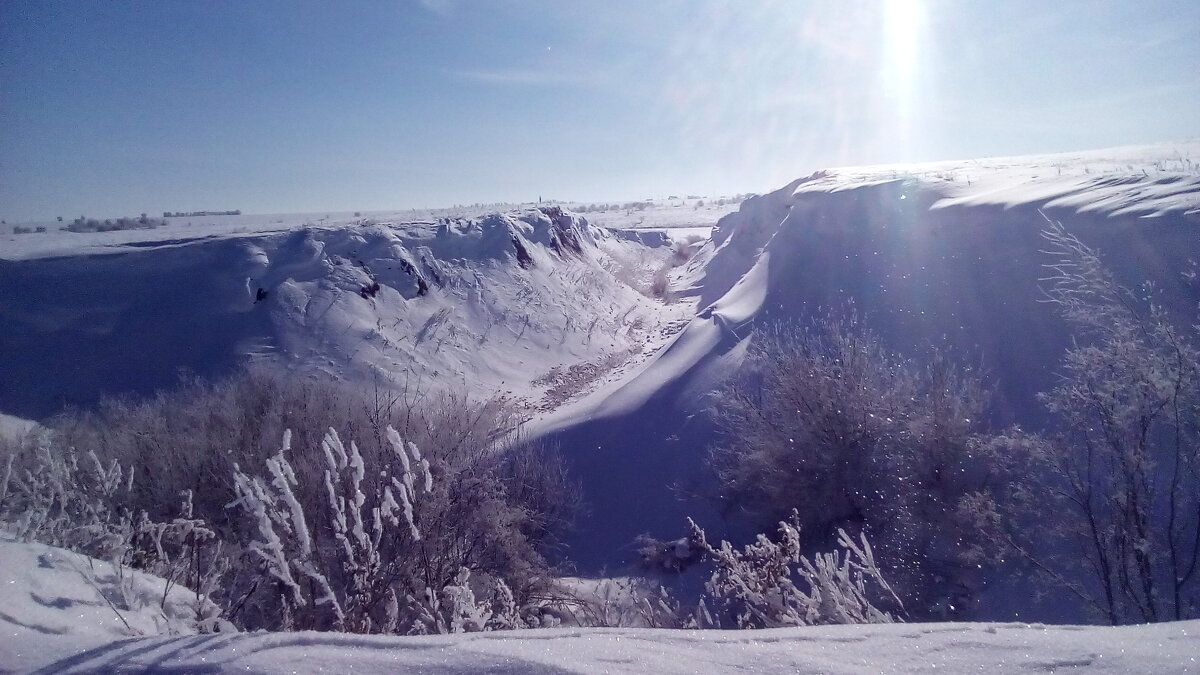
column 484, row 306
column 946, row 255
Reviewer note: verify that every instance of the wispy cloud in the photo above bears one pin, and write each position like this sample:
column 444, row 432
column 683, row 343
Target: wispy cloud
column 521, row 77
column 439, row 7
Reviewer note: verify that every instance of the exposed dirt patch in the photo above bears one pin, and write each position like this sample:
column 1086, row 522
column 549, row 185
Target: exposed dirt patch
column 565, row 383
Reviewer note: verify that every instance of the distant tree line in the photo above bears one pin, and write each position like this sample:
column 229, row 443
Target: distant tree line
column 142, row 222
column 195, row 214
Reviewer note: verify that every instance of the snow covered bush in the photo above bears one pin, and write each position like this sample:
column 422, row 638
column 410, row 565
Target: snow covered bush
column 829, row 423
column 343, row 581
column 371, row 554
column 66, row 498
column 1123, row 471
column 59, row 496
column 496, row 504
column 456, row 609
column 771, row 585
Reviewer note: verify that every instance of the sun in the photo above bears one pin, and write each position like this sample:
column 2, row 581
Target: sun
column 902, row 28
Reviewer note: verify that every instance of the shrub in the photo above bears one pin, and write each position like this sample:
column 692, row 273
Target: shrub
column 488, row 503
column 771, row 585
column 827, row 422
column 62, row 497
column 82, row 224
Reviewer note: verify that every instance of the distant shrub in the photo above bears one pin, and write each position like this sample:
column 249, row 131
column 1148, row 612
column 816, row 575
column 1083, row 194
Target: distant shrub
column 142, row 222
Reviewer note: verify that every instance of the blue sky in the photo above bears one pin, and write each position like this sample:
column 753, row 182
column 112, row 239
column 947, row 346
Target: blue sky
column 114, row 108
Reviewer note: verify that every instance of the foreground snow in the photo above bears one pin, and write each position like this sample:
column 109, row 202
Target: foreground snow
column 54, row 603
column 956, row 648
column 55, row 614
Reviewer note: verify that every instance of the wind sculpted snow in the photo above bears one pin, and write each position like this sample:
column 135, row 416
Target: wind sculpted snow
column 488, row 306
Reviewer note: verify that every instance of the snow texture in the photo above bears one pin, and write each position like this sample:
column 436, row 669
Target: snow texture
column 54, row 603
column 849, row 650
column 499, row 305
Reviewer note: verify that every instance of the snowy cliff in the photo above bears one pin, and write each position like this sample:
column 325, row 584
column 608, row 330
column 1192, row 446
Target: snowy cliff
column 946, row 255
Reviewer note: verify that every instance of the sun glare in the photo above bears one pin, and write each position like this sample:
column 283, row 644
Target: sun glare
column 901, row 30
column 903, row 27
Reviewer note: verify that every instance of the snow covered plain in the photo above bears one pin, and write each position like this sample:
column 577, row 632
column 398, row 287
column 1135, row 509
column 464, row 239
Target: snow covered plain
column 555, row 313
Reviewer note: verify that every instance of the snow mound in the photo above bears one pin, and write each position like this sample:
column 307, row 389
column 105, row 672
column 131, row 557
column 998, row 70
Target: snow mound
column 54, row 603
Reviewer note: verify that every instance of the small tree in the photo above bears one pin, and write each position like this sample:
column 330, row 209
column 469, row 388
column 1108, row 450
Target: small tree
column 1125, row 470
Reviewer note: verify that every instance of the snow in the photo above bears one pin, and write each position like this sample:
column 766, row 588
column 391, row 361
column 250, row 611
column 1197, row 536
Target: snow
column 16, row 428
column 55, row 603
column 1144, row 180
column 657, row 215
column 660, row 214
column 547, row 336
column 954, row 648
column 946, row 254
column 457, row 308
column 53, row 616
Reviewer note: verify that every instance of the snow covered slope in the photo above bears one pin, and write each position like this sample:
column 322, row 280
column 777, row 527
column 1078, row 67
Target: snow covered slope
column 532, row 305
column 946, row 254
